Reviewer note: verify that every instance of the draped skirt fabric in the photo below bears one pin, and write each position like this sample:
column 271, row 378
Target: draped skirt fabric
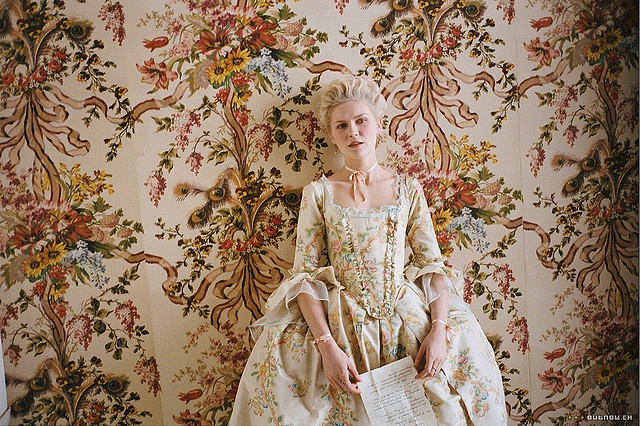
column 284, row 383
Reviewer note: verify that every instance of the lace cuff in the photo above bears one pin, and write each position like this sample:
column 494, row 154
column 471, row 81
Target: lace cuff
column 317, row 289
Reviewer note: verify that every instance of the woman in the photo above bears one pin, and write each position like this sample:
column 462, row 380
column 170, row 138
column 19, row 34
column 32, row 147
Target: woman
column 369, row 286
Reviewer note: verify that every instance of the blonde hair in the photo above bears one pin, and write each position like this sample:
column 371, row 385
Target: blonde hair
column 347, row 89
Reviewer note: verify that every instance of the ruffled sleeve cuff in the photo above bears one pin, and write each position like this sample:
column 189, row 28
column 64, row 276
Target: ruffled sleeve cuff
column 454, row 283
column 282, row 308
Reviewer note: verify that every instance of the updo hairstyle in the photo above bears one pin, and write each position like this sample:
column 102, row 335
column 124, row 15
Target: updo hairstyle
column 347, row 89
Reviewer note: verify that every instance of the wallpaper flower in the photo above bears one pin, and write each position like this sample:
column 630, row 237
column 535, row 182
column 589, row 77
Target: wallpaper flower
column 153, row 154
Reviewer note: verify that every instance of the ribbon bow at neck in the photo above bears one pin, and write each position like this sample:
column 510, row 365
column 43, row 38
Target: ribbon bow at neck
column 358, row 179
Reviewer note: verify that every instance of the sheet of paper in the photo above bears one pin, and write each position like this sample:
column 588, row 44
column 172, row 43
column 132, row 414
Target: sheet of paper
column 393, row 396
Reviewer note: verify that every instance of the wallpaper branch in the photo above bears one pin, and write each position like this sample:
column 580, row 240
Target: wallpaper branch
column 153, row 155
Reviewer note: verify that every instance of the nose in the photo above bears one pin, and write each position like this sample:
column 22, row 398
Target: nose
column 353, row 130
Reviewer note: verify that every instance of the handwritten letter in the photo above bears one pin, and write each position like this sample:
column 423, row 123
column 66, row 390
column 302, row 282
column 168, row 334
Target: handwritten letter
column 392, row 396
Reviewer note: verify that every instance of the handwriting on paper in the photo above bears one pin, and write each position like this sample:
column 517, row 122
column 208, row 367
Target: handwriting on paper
column 392, row 396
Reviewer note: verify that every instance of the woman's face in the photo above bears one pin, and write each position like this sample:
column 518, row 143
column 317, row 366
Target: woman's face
column 354, row 129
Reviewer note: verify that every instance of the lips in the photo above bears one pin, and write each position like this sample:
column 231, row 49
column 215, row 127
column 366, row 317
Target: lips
column 356, row 143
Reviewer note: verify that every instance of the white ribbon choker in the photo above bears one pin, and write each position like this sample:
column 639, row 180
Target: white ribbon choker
column 358, row 179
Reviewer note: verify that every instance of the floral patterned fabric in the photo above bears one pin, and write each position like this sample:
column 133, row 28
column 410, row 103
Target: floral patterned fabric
column 372, row 268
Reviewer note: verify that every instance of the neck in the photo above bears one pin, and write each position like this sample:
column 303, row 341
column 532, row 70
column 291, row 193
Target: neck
column 361, row 170
column 361, row 166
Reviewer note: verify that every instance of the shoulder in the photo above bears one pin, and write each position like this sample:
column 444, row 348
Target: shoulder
column 314, row 191
column 412, row 184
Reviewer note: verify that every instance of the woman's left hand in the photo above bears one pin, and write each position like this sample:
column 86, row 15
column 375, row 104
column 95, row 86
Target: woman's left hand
column 432, row 352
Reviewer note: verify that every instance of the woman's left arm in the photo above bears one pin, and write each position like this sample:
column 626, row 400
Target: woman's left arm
column 433, row 348
column 428, row 259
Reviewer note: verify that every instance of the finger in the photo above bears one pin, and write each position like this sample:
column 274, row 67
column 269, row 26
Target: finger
column 354, row 372
column 352, row 387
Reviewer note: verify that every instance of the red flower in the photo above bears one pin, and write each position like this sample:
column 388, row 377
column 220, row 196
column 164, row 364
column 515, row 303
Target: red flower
column 554, row 381
column 76, row 229
column 60, row 54
column 39, row 75
column 256, row 240
column 8, row 78
column 190, row 396
column 260, row 37
column 270, row 231
column 276, row 220
column 450, row 42
column 541, row 23
column 54, row 65
column 226, row 244
column 30, row 237
column 23, row 81
column 156, row 74
column 435, row 51
column 554, row 354
column 156, row 43
column 214, row 43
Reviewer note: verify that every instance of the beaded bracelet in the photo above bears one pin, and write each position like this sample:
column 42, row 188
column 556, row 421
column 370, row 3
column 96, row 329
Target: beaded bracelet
column 323, row 338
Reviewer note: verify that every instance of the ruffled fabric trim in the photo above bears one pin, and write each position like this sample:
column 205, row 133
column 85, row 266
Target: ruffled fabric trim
column 278, row 307
column 423, row 275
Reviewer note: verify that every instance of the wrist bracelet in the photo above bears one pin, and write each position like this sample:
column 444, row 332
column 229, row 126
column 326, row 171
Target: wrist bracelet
column 440, row 321
column 323, row 338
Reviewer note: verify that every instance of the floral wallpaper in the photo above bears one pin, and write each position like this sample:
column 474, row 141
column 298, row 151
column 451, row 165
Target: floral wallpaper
column 153, row 153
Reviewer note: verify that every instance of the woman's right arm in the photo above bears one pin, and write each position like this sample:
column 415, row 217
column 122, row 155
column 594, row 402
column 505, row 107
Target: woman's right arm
column 338, row 367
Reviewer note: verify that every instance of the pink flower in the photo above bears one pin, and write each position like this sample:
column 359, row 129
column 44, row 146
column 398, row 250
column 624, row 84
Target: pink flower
column 113, row 16
column 13, row 352
column 158, row 185
column 503, row 275
column 541, row 52
column 555, row 381
column 195, row 161
column 156, row 74
column 147, row 369
column 571, row 133
column 519, row 330
column 7, row 312
column 127, row 313
column 537, row 156
column 468, row 290
column 83, row 329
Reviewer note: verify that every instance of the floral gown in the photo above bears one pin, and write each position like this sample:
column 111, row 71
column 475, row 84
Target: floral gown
column 372, row 269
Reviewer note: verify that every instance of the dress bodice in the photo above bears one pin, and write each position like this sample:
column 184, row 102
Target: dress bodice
column 366, row 248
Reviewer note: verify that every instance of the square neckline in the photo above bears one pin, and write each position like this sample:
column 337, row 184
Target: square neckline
column 368, row 210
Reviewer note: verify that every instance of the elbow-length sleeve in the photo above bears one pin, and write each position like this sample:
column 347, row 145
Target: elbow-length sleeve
column 310, row 273
column 426, row 258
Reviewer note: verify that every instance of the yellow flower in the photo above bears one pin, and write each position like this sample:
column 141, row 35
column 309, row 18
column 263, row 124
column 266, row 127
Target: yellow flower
column 447, row 250
column 242, row 96
column 611, row 38
column 34, row 266
column 441, row 219
column 594, row 50
column 237, row 60
column 53, row 253
column 217, row 73
column 59, row 289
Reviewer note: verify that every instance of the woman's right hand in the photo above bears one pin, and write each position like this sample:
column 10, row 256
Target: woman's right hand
column 339, row 369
